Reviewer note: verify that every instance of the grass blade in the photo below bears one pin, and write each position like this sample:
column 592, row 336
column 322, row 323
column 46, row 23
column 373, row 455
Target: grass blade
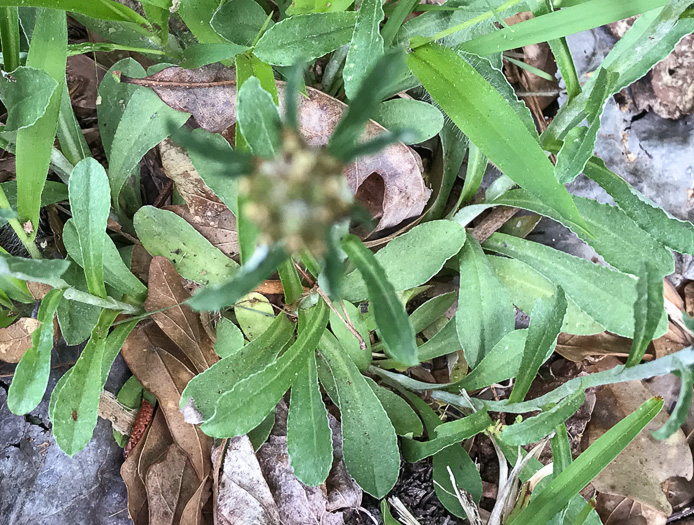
column 9, row 37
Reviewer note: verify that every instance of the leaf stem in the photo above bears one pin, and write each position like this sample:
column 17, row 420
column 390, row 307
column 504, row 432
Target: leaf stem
column 105, row 47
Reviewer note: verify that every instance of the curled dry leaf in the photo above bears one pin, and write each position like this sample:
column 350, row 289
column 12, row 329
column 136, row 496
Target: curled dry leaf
column 183, row 326
column 16, row 339
column 390, row 181
column 646, row 463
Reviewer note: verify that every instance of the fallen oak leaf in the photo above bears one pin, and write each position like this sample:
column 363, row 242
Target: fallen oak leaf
column 396, row 192
column 16, row 339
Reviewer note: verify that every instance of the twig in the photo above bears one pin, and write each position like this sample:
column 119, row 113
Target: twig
column 122, row 418
column 492, row 222
column 349, row 325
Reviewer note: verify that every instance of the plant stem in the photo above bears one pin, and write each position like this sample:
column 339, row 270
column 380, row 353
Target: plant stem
column 349, row 325
column 9, row 35
column 105, row 47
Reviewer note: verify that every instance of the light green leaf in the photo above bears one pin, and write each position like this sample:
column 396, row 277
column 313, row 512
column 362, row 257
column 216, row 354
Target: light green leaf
column 259, row 119
column 197, row 15
column 309, row 439
column 537, row 427
column 526, row 286
column 90, row 204
column 102, row 9
column 405, row 421
column 369, row 442
column 431, row 310
column 444, row 342
column 486, row 118
column 240, row 21
column 426, row 248
column 589, row 464
column 73, row 145
column 350, row 344
column 9, row 37
column 647, row 310
column 47, row 271
column 423, row 119
column 252, row 398
column 77, row 403
column 558, row 24
column 130, row 396
column 606, row 295
column 34, row 146
column 229, row 338
column 255, row 314
column 672, row 232
column 205, row 389
column 365, row 47
column 389, row 313
column 681, row 411
column 165, row 233
column 485, row 313
column 305, row 37
column 116, row 273
column 446, row 434
column 76, row 319
column 52, row 192
column 26, row 93
column 199, row 55
column 31, row 376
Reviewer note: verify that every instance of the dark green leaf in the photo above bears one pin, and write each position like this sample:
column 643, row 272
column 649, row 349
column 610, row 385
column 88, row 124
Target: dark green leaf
column 647, row 310
column 366, row 46
column 26, row 93
column 239, row 21
column 259, row 119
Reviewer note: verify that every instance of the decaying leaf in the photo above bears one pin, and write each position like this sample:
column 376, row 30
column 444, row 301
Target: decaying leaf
column 218, row 228
column 177, row 321
column 390, row 181
column 646, row 463
column 38, row 290
column 618, row 510
column 579, row 347
column 16, row 339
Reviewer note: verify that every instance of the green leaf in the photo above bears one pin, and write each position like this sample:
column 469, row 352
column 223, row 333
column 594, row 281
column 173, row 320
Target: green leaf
column 386, row 516
column 606, row 295
column 431, row 311
column 350, row 344
column 545, row 324
column 681, row 411
column 411, row 259
column 205, row 389
column 47, row 271
column 617, row 238
column 116, row 273
column 444, row 342
column 391, row 317
column 240, row 21
column 102, row 9
column 647, row 310
column 305, row 37
column 199, row 55
column 588, row 465
column 72, row 142
column 404, row 419
column 259, row 119
column 254, row 313
column 229, row 338
column 34, row 146
column 561, row 450
column 263, row 263
column 90, row 204
column 672, row 232
column 558, row 24
column 52, row 192
column 165, row 233
column 130, row 396
column 423, row 119
column 366, row 46
column 486, row 118
column 197, row 15
column 26, row 93
column 9, row 37
column 446, row 434
column 485, row 313
column 535, row 428
column 31, row 376
column 526, row 286
column 144, row 123
column 77, row 403
column 291, row 282
column 76, row 319
column 252, row 398
column 309, row 439
column 369, row 442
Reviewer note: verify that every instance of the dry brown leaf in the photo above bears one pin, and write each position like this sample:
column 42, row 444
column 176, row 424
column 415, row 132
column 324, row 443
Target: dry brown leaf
column 220, row 230
column 177, row 321
column 16, row 339
column 192, row 513
column 171, row 484
column 166, row 377
column 209, row 94
column 38, row 290
column 618, row 510
column 140, row 261
column 689, row 298
column 579, row 347
column 646, row 463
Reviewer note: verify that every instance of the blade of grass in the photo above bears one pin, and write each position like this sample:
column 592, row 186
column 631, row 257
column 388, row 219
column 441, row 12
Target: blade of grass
column 9, row 37
column 396, row 19
column 101, row 9
column 35, row 144
column 72, row 142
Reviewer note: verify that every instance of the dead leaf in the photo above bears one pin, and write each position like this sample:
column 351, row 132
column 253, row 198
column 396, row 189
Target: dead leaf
column 177, row 321
column 16, row 339
column 646, row 463
column 689, row 298
column 38, row 290
column 165, row 377
column 220, row 230
column 618, row 510
column 579, row 347
column 390, row 181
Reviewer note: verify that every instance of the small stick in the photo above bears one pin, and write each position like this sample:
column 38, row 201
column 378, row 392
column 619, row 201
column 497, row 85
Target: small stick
column 349, row 325
column 495, row 220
